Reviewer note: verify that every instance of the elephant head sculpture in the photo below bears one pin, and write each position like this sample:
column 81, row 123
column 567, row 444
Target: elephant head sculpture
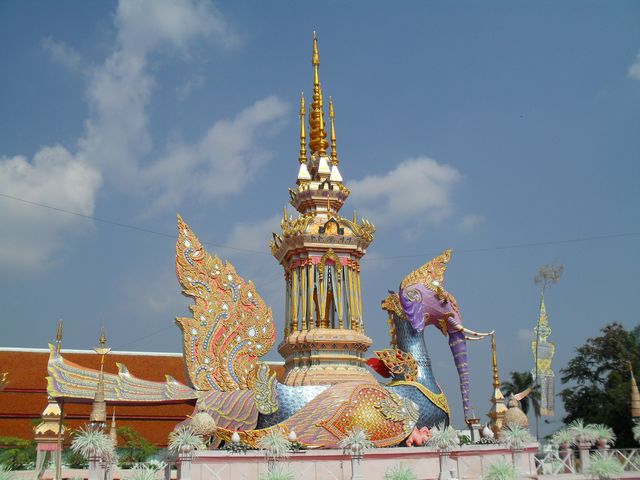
column 425, row 302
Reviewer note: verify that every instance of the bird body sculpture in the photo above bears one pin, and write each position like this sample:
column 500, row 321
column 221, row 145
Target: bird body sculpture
column 231, row 328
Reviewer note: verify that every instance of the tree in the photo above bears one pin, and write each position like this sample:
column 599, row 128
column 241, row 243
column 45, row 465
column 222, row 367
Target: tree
column 601, row 386
column 520, row 381
column 136, row 448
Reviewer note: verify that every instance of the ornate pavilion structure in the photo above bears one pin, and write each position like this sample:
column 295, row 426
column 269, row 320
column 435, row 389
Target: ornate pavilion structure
column 320, row 251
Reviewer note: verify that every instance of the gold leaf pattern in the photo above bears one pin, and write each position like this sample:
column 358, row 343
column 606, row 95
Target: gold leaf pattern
column 265, row 390
column 399, row 363
column 431, row 274
column 231, row 326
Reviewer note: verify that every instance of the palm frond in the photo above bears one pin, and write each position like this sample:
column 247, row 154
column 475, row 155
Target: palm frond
column 501, row 470
column 6, row 473
column 515, row 436
column 183, row 439
column 278, row 473
column 400, row 472
column 356, row 441
column 581, row 432
column 91, row 441
column 443, row 438
column 604, row 466
column 275, row 445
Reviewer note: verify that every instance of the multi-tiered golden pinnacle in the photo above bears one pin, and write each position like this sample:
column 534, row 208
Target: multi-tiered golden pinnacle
column 317, row 135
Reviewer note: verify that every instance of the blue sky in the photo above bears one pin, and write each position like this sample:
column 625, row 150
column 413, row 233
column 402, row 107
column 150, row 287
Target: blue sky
column 469, row 125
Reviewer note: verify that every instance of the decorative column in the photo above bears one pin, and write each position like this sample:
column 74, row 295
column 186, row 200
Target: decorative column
column 583, row 448
column 185, row 458
column 445, row 474
column 356, row 473
column 46, row 436
column 95, row 467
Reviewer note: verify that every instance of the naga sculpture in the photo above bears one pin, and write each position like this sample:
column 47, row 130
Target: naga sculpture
column 231, row 328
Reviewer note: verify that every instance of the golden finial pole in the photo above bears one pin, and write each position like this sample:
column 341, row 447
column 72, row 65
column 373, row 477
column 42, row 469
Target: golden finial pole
column 334, row 150
column 99, row 410
column 496, row 379
column 59, row 336
column 303, row 134
column 102, row 350
column 317, row 141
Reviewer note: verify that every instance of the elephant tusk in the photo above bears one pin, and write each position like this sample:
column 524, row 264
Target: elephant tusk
column 470, row 337
column 477, row 334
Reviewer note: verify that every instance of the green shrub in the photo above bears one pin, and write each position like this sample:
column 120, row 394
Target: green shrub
column 278, row 473
column 183, row 439
column 6, row 473
column 74, row 459
column 135, row 448
column 400, row 472
column 145, row 472
column 604, row 466
column 17, row 453
column 275, row 445
column 92, row 441
column 501, row 470
column 356, row 442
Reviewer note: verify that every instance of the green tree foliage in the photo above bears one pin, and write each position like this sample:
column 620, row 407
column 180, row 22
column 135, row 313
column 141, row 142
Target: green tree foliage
column 135, row 448
column 74, row 459
column 520, row 381
column 600, row 382
column 17, row 453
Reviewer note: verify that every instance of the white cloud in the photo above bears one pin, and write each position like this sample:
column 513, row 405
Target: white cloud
column 30, row 235
column 116, row 136
column 469, row 222
column 146, row 24
column 194, row 83
column 221, row 163
column 525, row 335
column 419, row 189
column 634, row 68
column 62, row 54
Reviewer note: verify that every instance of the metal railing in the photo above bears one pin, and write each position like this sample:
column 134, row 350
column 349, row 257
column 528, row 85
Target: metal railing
column 557, row 462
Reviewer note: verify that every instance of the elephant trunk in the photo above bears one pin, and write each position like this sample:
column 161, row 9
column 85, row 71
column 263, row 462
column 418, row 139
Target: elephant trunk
column 458, row 346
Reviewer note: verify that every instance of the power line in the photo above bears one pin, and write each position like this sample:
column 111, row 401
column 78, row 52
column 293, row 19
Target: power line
column 380, row 258
column 514, row 246
column 144, row 337
column 124, row 225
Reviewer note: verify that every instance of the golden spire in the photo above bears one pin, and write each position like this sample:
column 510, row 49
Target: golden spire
column 99, row 411
column 303, row 133
column 496, row 379
column 497, row 399
column 317, row 141
column 59, row 336
column 334, row 151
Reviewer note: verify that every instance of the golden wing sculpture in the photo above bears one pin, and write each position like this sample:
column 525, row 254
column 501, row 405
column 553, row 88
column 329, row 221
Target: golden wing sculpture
column 231, row 326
